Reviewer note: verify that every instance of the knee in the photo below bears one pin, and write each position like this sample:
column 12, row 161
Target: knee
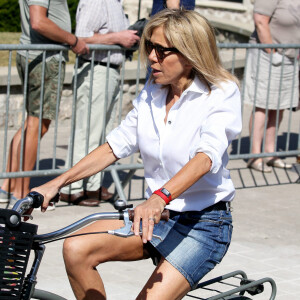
column 74, row 253
column 33, row 124
column 45, row 126
column 80, row 253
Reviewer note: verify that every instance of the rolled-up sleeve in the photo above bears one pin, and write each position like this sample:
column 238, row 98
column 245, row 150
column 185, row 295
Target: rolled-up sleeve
column 123, row 139
column 43, row 3
column 222, row 125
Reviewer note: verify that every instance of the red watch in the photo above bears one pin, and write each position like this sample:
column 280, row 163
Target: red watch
column 164, row 194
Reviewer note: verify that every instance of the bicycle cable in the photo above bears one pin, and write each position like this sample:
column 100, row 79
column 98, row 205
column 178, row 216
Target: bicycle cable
column 73, row 235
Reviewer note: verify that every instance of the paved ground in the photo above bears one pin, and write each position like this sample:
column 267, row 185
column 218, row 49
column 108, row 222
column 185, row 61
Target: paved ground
column 266, row 241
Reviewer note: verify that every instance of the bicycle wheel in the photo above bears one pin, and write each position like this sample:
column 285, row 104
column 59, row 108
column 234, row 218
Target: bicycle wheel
column 44, row 295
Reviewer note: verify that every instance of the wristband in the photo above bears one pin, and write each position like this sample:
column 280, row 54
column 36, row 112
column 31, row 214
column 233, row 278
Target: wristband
column 75, row 44
column 164, row 194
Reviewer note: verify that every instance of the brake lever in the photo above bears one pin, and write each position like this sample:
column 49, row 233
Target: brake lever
column 30, row 217
column 126, row 231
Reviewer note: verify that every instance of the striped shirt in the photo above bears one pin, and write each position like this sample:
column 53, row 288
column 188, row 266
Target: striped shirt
column 101, row 16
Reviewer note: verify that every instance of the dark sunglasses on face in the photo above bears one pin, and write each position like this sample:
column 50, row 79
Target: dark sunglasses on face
column 159, row 50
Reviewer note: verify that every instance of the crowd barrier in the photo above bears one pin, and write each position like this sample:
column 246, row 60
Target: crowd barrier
column 234, row 57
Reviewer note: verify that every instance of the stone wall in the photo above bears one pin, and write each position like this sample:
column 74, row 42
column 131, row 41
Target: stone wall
column 233, row 21
column 16, row 103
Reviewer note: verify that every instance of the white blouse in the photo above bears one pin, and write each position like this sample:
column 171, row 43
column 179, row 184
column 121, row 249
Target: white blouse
column 197, row 122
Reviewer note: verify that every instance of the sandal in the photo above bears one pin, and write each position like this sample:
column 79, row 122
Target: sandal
column 259, row 166
column 278, row 163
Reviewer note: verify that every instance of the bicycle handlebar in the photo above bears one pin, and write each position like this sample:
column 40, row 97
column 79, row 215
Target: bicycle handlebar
column 165, row 215
column 32, row 200
column 35, row 200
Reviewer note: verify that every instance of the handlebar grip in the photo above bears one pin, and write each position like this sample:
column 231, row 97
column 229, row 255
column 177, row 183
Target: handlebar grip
column 165, row 215
column 37, row 199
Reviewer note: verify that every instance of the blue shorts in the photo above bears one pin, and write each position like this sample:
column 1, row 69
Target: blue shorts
column 195, row 241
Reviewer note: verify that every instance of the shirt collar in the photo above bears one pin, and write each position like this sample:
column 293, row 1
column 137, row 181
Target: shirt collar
column 157, row 94
column 197, row 86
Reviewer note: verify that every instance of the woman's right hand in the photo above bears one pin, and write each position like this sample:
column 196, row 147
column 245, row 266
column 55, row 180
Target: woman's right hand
column 149, row 212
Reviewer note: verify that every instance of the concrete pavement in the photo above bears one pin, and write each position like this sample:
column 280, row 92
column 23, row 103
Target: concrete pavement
column 266, row 240
column 265, row 244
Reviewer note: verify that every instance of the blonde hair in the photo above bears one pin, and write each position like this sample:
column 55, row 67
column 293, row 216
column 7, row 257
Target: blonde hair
column 194, row 38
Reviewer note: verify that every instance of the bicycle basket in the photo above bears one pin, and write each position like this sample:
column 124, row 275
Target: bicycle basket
column 15, row 246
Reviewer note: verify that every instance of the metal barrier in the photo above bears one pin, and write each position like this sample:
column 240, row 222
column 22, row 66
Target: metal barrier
column 234, row 57
column 287, row 145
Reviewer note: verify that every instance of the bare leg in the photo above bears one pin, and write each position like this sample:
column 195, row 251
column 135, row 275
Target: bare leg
column 12, row 161
column 20, row 186
column 271, row 129
column 258, row 130
column 83, row 254
column 165, row 283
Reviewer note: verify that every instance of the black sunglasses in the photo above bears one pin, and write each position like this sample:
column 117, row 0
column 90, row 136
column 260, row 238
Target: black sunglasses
column 159, row 50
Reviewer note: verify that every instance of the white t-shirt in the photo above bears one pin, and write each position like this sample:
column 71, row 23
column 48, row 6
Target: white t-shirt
column 197, row 122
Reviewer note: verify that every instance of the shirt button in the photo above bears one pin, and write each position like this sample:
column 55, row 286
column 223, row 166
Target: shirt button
column 169, row 122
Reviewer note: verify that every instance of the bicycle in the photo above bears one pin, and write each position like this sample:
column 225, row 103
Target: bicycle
column 18, row 239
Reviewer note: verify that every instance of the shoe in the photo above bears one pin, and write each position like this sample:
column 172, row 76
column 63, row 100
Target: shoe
column 101, row 194
column 4, row 196
column 258, row 166
column 278, row 163
column 49, row 208
column 78, row 199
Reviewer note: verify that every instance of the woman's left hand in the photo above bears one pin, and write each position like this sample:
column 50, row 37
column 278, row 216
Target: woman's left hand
column 149, row 213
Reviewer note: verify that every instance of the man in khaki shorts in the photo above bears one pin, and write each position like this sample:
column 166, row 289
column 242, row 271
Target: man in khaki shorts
column 42, row 22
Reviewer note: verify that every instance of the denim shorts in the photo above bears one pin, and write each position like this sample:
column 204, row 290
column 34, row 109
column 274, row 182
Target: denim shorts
column 194, row 242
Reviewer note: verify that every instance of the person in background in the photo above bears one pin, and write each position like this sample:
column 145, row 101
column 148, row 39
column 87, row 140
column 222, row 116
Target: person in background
column 97, row 22
column 276, row 21
column 159, row 5
column 182, row 123
column 42, row 22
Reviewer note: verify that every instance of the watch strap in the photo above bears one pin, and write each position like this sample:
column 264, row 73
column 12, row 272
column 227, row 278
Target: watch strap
column 164, row 194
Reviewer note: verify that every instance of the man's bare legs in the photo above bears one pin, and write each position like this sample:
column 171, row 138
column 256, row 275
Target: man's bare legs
column 12, row 161
column 20, row 186
column 83, row 254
